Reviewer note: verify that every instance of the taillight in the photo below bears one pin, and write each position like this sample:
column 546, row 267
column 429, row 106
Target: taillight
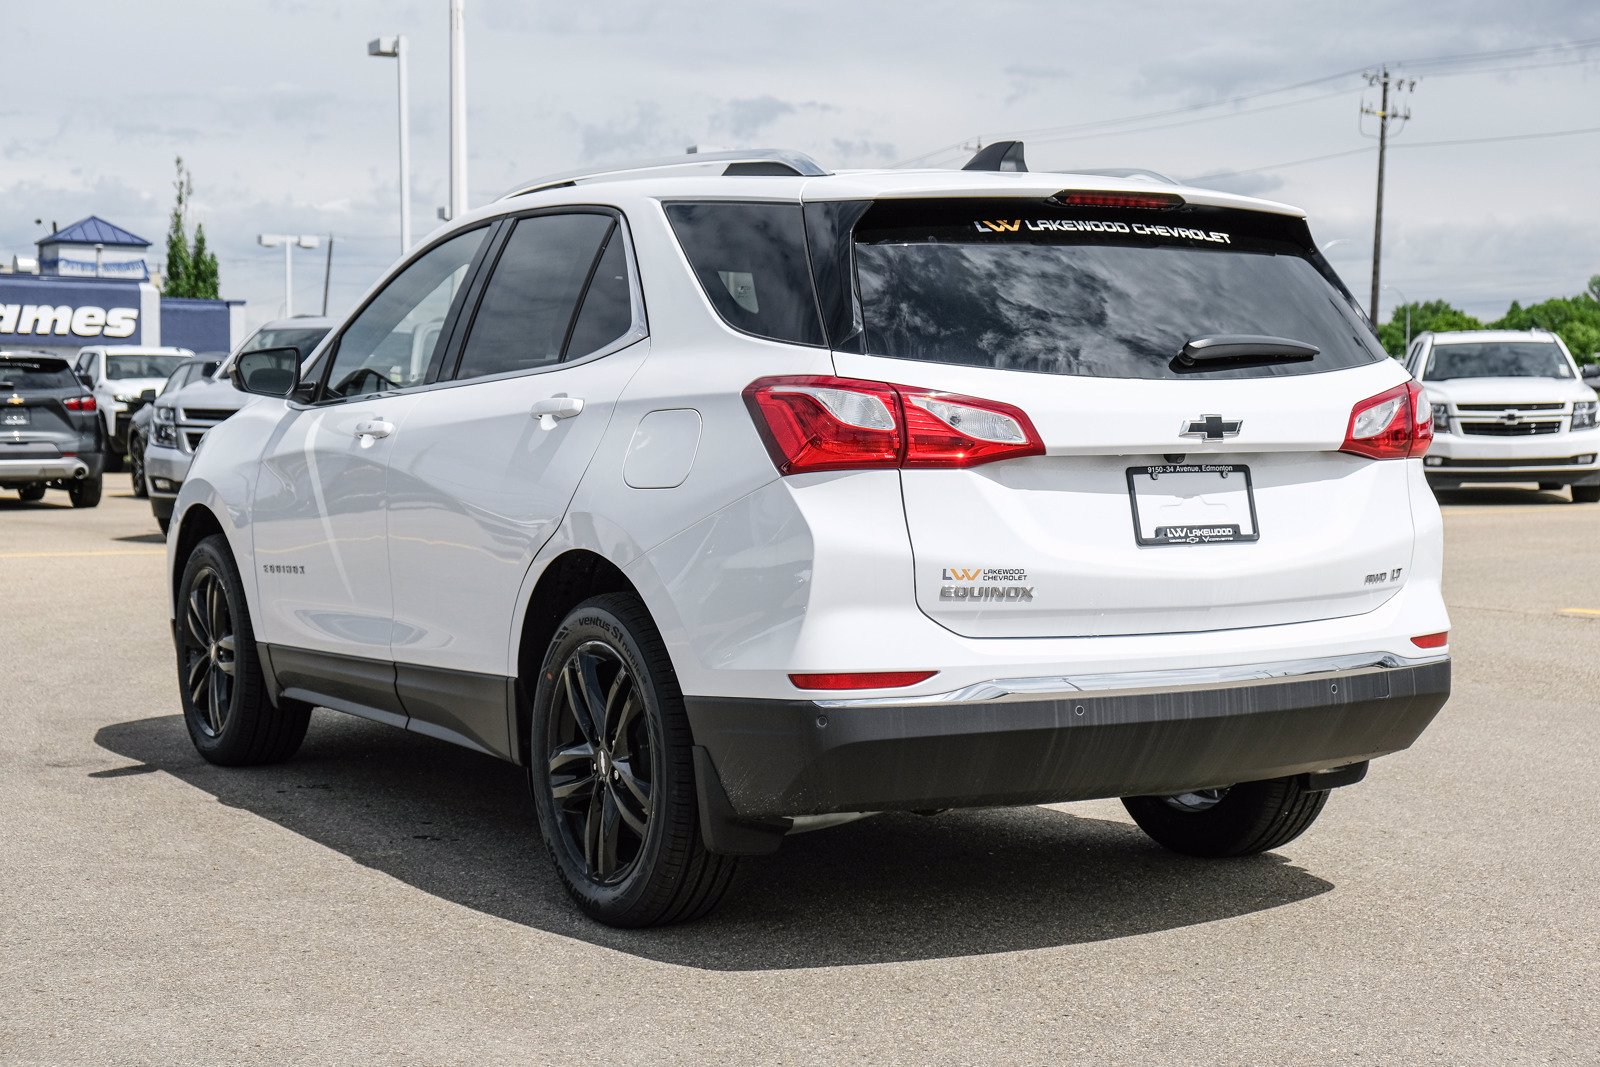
column 79, row 403
column 820, row 423
column 861, row 679
column 1396, row 424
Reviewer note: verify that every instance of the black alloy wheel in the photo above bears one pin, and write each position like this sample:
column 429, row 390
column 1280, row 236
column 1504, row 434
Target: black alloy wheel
column 209, row 651
column 136, row 466
column 231, row 718
column 612, row 770
column 601, row 757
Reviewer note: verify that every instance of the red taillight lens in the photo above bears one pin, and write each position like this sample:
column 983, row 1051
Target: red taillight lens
column 1438, row 640
column 1395, row 424
column 79, row 403
column 861, row 680
column 1156, row 201
column 819, row 423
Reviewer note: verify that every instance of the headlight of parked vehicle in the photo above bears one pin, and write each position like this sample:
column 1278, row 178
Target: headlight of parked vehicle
column 164, row 426
column 1583, row 414
column 125, row 398
column 1441, row 418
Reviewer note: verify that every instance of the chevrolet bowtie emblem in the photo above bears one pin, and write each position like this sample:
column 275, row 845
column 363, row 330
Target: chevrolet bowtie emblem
column 1211, row 427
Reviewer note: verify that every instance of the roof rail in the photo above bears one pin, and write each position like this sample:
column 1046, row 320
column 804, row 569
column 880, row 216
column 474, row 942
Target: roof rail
column 1129, row 172
column 754, row 161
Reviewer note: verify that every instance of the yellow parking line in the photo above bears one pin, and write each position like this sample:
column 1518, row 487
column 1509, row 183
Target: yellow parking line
column 79, row 555
column 1582, row 612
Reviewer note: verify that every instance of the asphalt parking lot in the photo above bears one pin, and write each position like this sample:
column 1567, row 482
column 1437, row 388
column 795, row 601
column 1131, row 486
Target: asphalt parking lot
column 381, row 898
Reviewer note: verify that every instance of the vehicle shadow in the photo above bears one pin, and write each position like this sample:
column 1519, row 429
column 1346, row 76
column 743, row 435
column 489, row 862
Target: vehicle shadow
column 156, row 538
column 460, row 826
column 1502, row 496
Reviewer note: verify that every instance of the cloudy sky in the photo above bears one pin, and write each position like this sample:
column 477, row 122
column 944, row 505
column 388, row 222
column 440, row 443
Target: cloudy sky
column 288, row 126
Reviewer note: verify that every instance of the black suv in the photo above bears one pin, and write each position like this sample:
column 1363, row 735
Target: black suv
column 49, row 434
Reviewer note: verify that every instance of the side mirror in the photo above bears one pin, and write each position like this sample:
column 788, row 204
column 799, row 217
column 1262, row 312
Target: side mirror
column 266, row 371
column 1590, row 370
column 148, row 395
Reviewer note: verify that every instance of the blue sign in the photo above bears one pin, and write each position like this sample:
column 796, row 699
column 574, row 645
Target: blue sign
column 55, row 311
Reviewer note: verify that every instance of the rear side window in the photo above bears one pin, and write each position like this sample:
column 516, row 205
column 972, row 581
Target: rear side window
column 1109, row 294
column 20, row 375
column 528, row 306
column 751, row 261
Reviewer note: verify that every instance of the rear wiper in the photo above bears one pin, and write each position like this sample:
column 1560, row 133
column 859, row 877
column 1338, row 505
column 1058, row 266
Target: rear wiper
column 1243, row 348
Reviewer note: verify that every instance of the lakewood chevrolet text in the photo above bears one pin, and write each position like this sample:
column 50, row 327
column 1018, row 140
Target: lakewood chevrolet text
column 734, row 498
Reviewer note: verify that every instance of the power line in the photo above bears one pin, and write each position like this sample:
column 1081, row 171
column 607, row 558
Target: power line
column 1373, row 148
column 1464, row 59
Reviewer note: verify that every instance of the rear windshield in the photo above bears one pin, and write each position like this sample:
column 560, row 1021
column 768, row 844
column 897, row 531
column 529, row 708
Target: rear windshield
column 18, row 375
column 1098, row 293
column 122, row 368
column 1497, row 359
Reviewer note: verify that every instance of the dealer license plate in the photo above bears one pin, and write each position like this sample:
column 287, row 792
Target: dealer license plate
column 1192, row 504
column 13, row 418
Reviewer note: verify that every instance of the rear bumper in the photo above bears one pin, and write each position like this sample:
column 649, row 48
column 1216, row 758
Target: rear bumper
column 53, row 469
column 777, row 758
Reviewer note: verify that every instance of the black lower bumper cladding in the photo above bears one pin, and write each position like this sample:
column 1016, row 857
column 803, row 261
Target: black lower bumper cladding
column 776, row 758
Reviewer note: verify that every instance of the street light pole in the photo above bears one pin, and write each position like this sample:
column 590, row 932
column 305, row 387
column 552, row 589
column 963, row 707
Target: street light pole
column 395, row 47
column 458, row 110
column 289, row 241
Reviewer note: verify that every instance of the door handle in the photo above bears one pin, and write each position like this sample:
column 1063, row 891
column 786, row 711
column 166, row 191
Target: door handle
column 371, row 429
column 548, row 410
column 559, row 407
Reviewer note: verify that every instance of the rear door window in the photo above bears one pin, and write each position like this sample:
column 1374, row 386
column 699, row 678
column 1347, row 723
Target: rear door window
column 1098, row 293
column 525, row 317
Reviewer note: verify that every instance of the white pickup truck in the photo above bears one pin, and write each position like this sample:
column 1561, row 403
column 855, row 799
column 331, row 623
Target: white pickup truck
column 1508, row 406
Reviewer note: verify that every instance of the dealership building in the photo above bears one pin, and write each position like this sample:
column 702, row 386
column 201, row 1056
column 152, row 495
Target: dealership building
column 90, row 284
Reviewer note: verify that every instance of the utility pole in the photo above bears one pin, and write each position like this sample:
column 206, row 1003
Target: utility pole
column 327, row 273
column 458, row 110
column 1385, row 115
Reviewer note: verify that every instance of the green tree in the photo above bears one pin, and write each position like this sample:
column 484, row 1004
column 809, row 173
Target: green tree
column 1594, row 287
column 177, row 272
column 1575, row 319
column 191, row 270
column 204, row 276
column 1435, row 315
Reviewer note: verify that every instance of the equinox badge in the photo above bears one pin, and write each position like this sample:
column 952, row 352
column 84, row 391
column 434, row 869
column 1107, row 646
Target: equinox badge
column 1211, row 427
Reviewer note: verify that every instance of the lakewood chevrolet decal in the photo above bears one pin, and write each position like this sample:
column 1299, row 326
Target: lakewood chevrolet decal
column 1141, row 229
column 61, row 320
column 968, row 583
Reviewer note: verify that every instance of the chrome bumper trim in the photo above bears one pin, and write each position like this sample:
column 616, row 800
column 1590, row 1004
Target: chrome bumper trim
column 1001, row 690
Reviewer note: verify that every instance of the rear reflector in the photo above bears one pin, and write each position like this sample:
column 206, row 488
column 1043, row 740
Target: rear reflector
column 79, row 403
column 1395, row 424
column 1154, row 201
column 853, row 680
column 822, row 423
column 1438, row 640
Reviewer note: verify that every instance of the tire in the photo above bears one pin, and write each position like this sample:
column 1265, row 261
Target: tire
column 626, row 844
column 136, row 466
column 31, row 493
column 1586, row 494
column 85, row 492
column 230, row 717
column 113, row 461
column 1241, row 820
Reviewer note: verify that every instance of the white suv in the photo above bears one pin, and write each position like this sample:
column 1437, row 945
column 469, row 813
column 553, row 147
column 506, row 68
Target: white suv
column 1508, row 407
column 118, row 376
column 734, row 498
